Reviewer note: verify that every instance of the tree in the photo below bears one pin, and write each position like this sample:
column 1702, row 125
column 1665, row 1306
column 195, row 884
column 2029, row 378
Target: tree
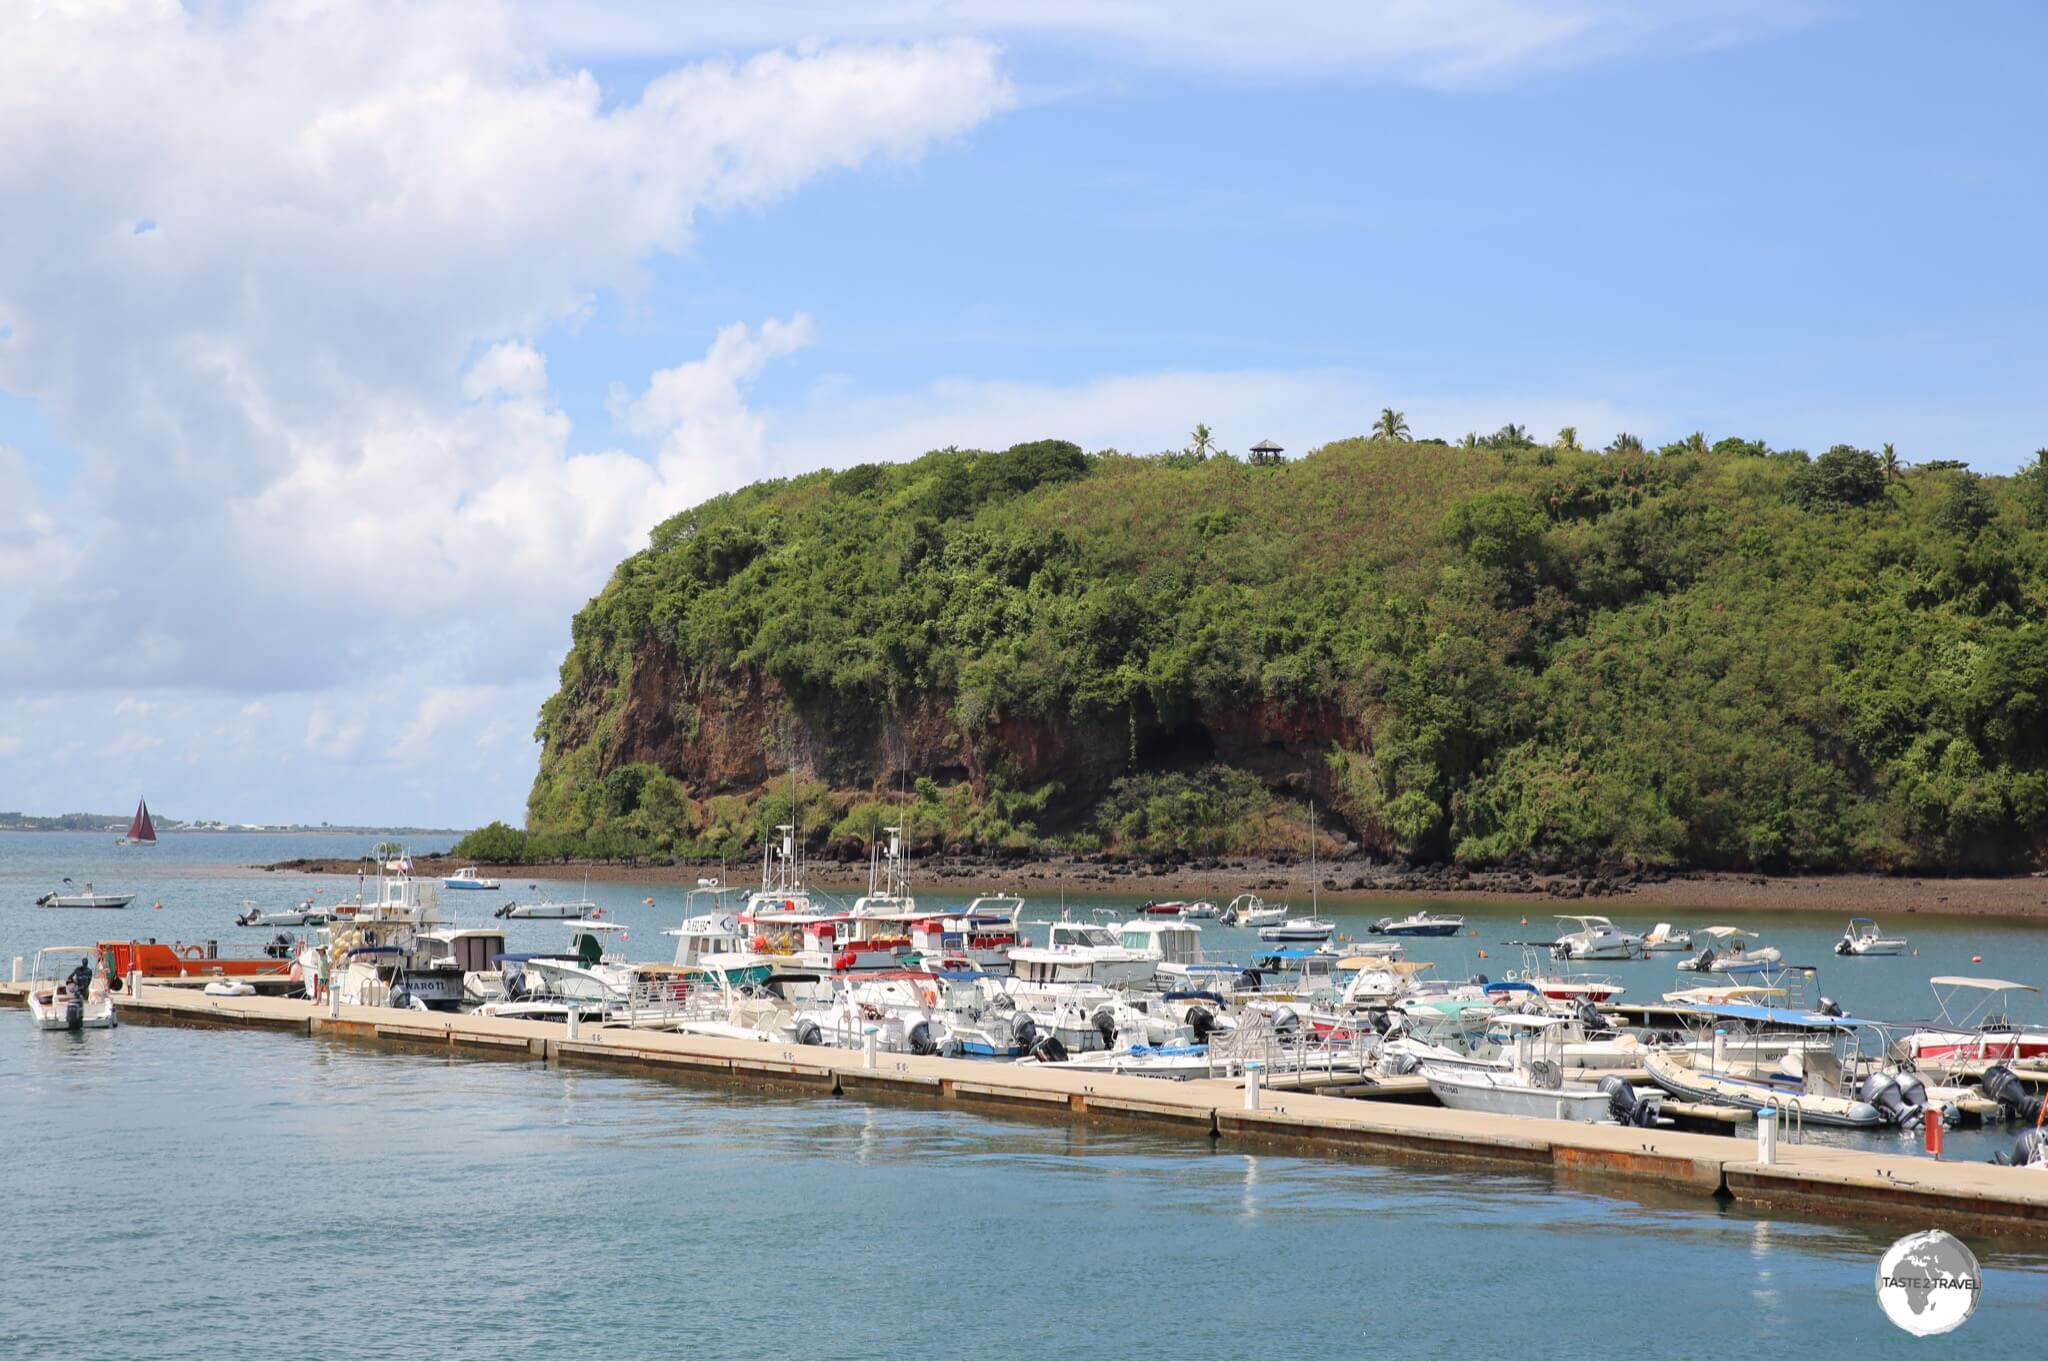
column 1568, row 439
column 1201, row 443
column 1511, row 436
column 1845, row 476
column 2033, row 481
column 1392, row 425
column 1625, row 443
column 1894, row 467
column 1695, row 443
column 1469, row 440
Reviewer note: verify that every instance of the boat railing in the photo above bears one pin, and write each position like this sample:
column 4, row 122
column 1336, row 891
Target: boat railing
column 1297, row 1050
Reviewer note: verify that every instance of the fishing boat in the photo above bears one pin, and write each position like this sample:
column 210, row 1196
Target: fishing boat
column 1597, row 938
column 1974, row 1026
column 1565, row 986
column 468, row 878
column 1665, row 937
column 176, row 960
column 1862, row 937
column 141, row 828
column 1730, row 946
column 1249, row 910
column 1420, row 923
column 1527, row 1079
column 79, row 1000
column 62, row 898
column 1166, row 908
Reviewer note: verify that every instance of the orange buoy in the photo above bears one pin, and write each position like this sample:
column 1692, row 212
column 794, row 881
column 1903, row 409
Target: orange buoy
column 1525, row 922
column 1475, row 931
column 649, row 900
column 159, row 905
column 1976, row 959
column 1482, row 952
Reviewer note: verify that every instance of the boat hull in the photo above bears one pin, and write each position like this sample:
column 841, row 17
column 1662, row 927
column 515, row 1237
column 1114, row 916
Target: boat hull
column 1476, row 1090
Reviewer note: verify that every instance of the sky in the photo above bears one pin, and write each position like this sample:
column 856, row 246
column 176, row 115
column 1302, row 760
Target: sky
column 347, row 345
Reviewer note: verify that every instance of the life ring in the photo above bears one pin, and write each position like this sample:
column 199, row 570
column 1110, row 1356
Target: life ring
column 192, row 952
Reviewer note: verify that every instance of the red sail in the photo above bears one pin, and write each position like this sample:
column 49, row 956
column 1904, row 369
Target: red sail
column 140, row 829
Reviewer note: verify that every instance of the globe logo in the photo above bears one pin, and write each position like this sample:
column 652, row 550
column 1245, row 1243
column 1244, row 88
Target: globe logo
column 1927, row 1283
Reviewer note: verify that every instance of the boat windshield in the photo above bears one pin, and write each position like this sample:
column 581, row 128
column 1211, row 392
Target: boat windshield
column 1080, row 934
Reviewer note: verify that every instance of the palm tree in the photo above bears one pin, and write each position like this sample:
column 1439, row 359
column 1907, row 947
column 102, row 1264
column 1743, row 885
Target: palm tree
column 1202, row 442
column 1894, row 466
column 1568, row 438
column 1695, row 443
column 1511, row 434
column 1625, row 443
column 1392, row 425
column 1469, row 440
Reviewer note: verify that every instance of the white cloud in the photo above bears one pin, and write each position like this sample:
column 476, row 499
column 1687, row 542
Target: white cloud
column 1430, row 42
column 266, row 387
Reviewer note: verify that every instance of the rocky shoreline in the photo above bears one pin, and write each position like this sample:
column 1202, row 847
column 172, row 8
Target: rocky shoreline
column 1220, row 878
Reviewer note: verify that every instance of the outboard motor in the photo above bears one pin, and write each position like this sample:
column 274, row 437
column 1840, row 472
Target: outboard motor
column 1829, row 1007
column 1400, row 1063
column 1250, row 981
column 1625, row 1105
column 505, row 911
column 2029, row 1149
column 1048, row 1050
column 1285, row 1022
column 808, row 1033
column 2002, row 1086
column 1023, row 1030
column 1201, row 1021
column 1478, row 981
column 1881, row 1090
column 1104, row 1022
column 1704, row 961
column 1379, row 1019
column 1595, row 1025
column 74, row 1012
column 921, row 1042
column 1843, row 947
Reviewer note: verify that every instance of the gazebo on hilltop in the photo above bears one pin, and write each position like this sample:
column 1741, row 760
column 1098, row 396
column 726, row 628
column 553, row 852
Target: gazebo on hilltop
column 1265, row 451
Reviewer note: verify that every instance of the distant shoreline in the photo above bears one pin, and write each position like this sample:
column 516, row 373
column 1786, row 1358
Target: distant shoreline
column 1849, row 895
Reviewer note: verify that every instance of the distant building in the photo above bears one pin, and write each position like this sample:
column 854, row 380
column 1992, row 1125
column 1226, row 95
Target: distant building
column 1265, row 451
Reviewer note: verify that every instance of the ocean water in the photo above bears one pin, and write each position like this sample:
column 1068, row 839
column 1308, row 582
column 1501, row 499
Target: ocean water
column 231, row 1194
column 189, row 1193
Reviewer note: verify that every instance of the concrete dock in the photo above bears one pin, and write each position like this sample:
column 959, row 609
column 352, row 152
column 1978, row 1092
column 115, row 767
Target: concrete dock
column 1812, row 1181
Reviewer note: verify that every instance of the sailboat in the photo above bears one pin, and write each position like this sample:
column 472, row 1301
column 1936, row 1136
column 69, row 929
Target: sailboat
column 141, row 831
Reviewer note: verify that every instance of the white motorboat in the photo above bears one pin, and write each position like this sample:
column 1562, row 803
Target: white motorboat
column 1730, row 946
column 1420, row 923
column 1862, row 937
column 1299, row 929
column 468, row 878
column 550, row 910
column 72, row 898
column 1202, row 910
column 1597, row 938
column 1527, row 1079
column 1974, row 1026
column 1249, row 910
column 76, row 1001
column 303, row 915
column 1083, row 953
column 1665, row 937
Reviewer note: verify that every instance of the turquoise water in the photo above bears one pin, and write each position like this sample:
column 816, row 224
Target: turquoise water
column 188, row 1193
column 182, row 1192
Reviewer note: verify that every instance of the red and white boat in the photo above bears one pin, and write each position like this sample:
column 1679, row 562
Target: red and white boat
column 141, row 830
column 1974, row 1025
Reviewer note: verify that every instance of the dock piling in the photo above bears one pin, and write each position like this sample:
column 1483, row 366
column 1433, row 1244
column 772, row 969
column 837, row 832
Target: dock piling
column 1251, row 1084
column 17, row 970
column 1766, row 1132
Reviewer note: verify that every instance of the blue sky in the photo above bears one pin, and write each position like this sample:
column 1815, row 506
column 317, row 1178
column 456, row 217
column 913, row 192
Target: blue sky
column 444, row 307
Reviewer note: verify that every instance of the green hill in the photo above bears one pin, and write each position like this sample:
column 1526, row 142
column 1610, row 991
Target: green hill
column 1707, row 657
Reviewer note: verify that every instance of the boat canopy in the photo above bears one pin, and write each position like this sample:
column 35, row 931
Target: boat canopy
column 1526, row 1021
column 1296, row 954
column 1725, row 932
column 1989, row 985
column 1780, row 1016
